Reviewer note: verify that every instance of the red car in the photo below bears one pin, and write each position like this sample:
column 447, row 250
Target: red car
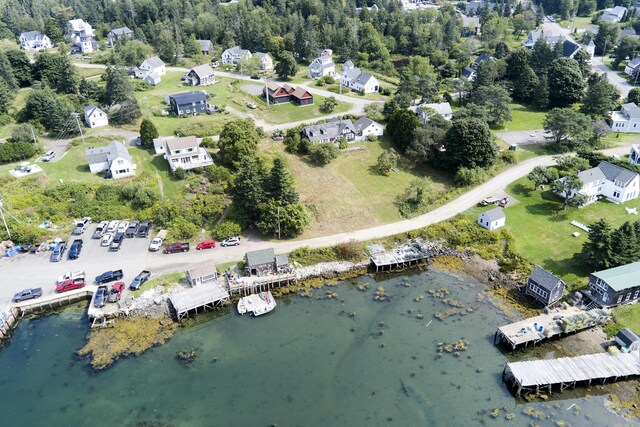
column 116, row 292
column 70, row 284
column 207, row 244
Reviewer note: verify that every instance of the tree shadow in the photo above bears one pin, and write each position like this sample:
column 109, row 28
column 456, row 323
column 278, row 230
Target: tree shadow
column 547, row 208
column 521, row 190
column 83, row 168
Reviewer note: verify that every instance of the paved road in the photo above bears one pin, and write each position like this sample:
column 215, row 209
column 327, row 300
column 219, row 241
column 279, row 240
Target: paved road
column 27, row 270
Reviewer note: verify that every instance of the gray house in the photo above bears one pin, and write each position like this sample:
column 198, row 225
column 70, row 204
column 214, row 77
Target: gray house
column 200, row 75
column 615, row 286
column 202, row 273
column 114, row 35
column 187, row 103
column 492, row 219
column 544, row 286
column 264, row 262
column 627, row 339
column 206, row 47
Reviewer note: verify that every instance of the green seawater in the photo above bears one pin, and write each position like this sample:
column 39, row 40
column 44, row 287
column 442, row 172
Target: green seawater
column 308, row 363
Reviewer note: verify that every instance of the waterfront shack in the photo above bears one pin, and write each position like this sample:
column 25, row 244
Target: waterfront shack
column 403, row 257
column 264, row 262
column 202, row 273
column 544, row 286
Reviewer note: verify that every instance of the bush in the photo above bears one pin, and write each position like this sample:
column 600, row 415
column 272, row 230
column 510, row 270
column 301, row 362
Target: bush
column 140, row 85
column 323, row 154
column 21, row 133
column 350, row 251
column 14, row 151
column 508, row 157
column 465, row 176
column 180, row 173
column 226, row 229
column 208, row 142
column 5, row 119
column 342, row 143
column 418, row 197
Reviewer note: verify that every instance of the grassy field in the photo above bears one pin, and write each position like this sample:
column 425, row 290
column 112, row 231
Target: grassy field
column 543, row 233
column 628, row 316
column 523, row 118
column 348, row 194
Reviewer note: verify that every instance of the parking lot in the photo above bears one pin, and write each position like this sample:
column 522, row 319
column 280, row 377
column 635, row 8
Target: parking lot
column 36, row 271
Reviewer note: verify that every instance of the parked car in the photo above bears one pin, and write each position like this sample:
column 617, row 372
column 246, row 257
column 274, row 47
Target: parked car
column 122, row 226
column 82, row 225
column 132, row 229
column 70, row 275
column 116, row 292
column 207, row 244
column 145, row 228
column 76, row 248
column 70, row 284
column 106, row 240
column 101, row 297
column 27, row 294
column 100, row 229
column 117, row 242
column 48, row 156
column 252, row 105
column 156, row 243
column 113, row 226
column 58, row 252
column 140, row 279
column 109, row 276
column 231, row 241
column 176, row 247
column 255, row 77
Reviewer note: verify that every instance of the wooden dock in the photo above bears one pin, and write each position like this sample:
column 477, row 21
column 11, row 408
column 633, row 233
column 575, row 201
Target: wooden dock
column 532, row 376
column 199, row 298
column 53, row 301
column 403, row 257
column 555, row 323
column 254, row 284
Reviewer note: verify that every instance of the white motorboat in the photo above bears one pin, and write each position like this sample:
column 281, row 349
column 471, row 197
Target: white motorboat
column 257, row 304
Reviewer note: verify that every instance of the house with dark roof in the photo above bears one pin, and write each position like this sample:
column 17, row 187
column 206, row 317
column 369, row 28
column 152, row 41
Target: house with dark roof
column 188, row 103
column 469, row 73
column 113, row 158
column 628, row 340
column 117, row 33
column 615, row 286
column 301, row 96
column 544, row 286
column 629, row 32
column 334, row 129
column 95, row 117
column 185, row 153
column 632, row 66
column 152, row 65
column 279, row 94
column 549, row 37
column 358, row 80
column 35, row 41
column 615, row 183
column 570, row 48
column 206, row 47
column 201, row 75
column 492, row 219
column 264, row 262
column 322, row 66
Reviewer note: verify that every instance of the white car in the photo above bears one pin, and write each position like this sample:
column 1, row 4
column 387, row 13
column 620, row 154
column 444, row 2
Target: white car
column 70, row 275
column 231, row 241
column 48, row 156
column 155, row 244
column 113, row 226
column 122, row 227
column 106, row 239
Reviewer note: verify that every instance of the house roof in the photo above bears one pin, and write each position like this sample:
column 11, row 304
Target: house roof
column 89, row 110
column 628, row 32
column 260, row 257
column 569, row 47
column 348, row 64
column 591, row 175
column 631, row 109
column 109, row 153
column 494, row 214
column 627, row 336
column 204, row 269
column 282, row 260
column 77, row 24
column 154, row 62
column 323, row 61
column 614, row 14
column 262, row 55
column 483, row 57
column 121, row 31
column 152, row 77
column 616, row 173
column 620, row 278
column 181, row 143
column 205, row 44
column 633, row 64
column 300, row 93
column 470, row 21
column 188, row 97
column 203, row 70
column 543, row 278
column 468, row 72
column 237, row 51
column 363, row 78
column 329, row 130
column 442, row 108
column 363, row 122
column 352, row 73
column 31, row 35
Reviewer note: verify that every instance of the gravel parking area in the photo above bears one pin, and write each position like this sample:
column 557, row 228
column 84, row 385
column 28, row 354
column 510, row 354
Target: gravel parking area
column 255, row 90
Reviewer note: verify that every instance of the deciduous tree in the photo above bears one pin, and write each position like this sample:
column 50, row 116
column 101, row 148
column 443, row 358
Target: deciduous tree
column 238, row 140
column 287, row 66
column 566, row 83
column 542, row 176
column 567, row 188
column 470, row 143
column 566, row 124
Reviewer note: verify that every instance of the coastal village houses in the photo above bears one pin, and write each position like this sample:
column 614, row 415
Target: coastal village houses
column 627, row 119
column 614, row 14
column 35, row 41
column 357, row 80
column 206, row 47
column 95, row 117
column 425, row 111
column 334, row 129
column 544, row 286
column 322, row 66
column 113, row 158
column 186, row 153
column 492, row 219
column 80, row 35
column 202, row 75
column 615, row 286
column 615, row 183
column 202, row 273
column 151, row 65
column 235, row 56
column 279, row 94
column 266, row 61
column 117, row 33
column 188, row 103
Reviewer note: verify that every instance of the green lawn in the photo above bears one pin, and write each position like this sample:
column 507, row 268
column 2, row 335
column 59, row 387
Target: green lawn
column 523, row 118
column 543, row 233
column 628, row 316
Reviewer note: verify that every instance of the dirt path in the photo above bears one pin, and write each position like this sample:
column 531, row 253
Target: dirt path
column 160, row 186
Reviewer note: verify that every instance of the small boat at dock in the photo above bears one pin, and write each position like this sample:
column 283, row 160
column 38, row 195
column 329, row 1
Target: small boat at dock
column 257, row 304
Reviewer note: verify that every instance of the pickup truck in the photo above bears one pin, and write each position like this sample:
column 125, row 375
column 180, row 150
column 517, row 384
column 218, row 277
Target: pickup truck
column 70, row 275
column 76, row 248
column 70, row 284
column 58, row 252
column 145, row 228
column 140, row 279
column 109, row 276
column 116, row 292
column 81, row 225
column 100, row 230
column 27, row 294
column 100, row 297
column 158, row 240
column 117, row 242
column 132, row 229
column 176, row 247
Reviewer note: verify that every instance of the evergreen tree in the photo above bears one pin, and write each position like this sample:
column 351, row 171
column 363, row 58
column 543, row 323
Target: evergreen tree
column 400, row 126
column 6, row 72
column 470, row 143
column 118, row 86
column 282, row 221
column 280, row 185
column 52, row 30
column 566, row 84
column 148, row 133
column 597, row 252
column 601, row 97
column 542, row 56
column 248, row 189
column 540, row 96
column 21, row 66
column 238, row 140
column 495, row 100
column 68, row 77
column 625, row 245
column 6, row 97
column 525, row 84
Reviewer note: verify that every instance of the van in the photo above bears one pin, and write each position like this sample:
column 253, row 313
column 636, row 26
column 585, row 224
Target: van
column 48, row 156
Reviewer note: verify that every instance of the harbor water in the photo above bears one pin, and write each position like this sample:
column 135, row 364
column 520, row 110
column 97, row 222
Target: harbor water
column 324, row 360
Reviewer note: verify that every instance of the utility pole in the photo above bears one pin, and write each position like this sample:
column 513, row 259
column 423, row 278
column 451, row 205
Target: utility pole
column 604, row 51
column 278, row 222
column 266, row 91
column 33, row 135
column 76, row 116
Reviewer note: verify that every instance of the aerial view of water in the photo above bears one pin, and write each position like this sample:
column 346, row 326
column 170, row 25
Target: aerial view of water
column 314, row 361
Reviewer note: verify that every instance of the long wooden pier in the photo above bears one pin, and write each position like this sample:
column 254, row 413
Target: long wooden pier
column 199, row 298
column 251, row 285
column 534, row 375
column 402, row 257
column 539, row 328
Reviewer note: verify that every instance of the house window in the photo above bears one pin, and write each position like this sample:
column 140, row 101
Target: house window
column 619, row 299
column 120, row 161
column 636, row 293
column 616, row 194
column 538, row 290
column 628, row 297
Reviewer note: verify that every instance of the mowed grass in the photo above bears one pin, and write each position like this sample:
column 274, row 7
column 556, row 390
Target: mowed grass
column 348, row 194
column 523, row 118
column 543, row 231
column 628, row 316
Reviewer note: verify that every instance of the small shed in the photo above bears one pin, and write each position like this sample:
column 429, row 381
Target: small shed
column 627, row 339
column 492, row 219
column 202, row 273
column 282, row 264
column 544, row 286
column 260, row 263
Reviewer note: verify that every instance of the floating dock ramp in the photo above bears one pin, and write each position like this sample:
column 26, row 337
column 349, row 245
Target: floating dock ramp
column 200, row 297
column 531, row 376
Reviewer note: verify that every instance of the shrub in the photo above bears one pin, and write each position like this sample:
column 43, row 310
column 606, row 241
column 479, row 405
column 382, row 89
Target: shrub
column 465, row 176
column 387, row 161
column 180, row 173
column 350, row 251
column 14, row 151
column 342, row 143
column 508, row 157
column 140, row 85
column 323, row 154
column 5, row 119
column 21, row 133
column 226, row 229
column 198, row 129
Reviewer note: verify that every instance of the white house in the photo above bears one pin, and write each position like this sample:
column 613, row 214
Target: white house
column 424, row 111
column 356, row 79
column 549, row 37
column 266, row 61
column 80, row 34
column 234, row 55
column 34, row 40
column 632, row 66
column 113, row 158
column 322, row 66
column 152, row 65
column 627, row 119
column 492, row 219
column 634, row 155
column 152, row 79
column 591, row 49
column 614, row 14
column 202, row 273
column 334, row 129
column 607, row 180
column 186, row 153
column 95, row 117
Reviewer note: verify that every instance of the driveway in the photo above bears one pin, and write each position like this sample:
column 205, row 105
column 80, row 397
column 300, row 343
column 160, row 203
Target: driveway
column 523, row 137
